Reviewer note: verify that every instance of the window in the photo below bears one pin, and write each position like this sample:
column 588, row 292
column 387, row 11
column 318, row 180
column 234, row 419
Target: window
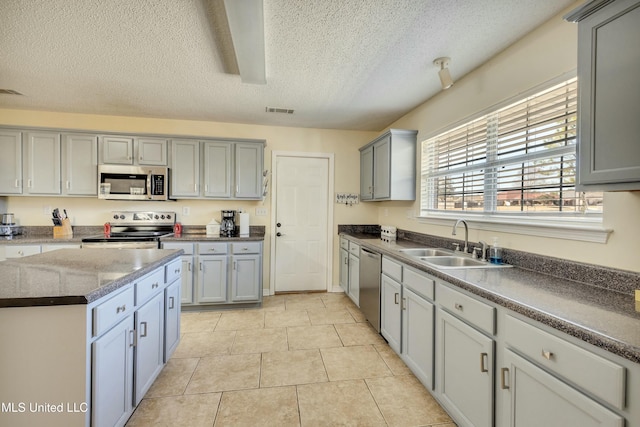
column 519, row 159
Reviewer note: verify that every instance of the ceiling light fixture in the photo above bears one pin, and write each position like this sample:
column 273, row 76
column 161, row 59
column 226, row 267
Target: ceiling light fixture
column 445, row 76
column 246, row 24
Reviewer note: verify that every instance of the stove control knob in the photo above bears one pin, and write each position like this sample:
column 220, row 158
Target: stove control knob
column 121, row 216
column 168, row 216
column 161, row 216
column 115, row 216
column 156, row 216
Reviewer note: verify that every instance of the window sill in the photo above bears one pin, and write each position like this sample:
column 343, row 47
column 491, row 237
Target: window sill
column 581, row 229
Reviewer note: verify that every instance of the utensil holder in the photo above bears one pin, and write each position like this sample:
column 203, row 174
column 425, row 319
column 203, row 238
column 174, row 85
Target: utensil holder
column 63, row 230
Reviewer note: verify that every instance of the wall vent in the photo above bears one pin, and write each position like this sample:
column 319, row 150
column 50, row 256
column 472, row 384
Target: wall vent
column 278, row 110
column 9, row 92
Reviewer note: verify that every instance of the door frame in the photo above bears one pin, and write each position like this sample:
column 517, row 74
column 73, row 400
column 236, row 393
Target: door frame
column 272, row 226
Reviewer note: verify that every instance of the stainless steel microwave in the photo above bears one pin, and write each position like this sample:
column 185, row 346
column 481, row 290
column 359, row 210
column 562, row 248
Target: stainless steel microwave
column 120, row 182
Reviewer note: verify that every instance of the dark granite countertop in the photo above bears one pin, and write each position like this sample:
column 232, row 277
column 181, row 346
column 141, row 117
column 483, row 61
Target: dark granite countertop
column 75, row 276
column 603, row 317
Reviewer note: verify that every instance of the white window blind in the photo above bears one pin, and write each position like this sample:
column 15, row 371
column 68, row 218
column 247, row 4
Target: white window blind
column 520, row 158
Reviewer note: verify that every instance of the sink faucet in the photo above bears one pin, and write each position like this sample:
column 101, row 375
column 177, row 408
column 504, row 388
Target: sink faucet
column 466, row 233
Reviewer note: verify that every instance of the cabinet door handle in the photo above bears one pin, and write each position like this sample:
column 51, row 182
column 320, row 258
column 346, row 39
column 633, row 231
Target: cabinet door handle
column 132, row 338
column 547, row 354
column 200, row 266
column 395, row 298
column 503, row 381
column 189, row 266
column 68, row 184
column 483, row 366
column 17, row 183
column 403, row 306
column 458, row 306
column 143, row 334
column 171, row 303
column 234, row 265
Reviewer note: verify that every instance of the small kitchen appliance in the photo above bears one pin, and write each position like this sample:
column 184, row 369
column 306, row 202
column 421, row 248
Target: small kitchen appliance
column 133, row 230
column 8, row 226
column 228, row 224
column 123, row 182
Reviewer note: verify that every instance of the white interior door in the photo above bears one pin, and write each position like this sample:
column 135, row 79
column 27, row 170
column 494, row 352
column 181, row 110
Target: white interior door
column 301, row 218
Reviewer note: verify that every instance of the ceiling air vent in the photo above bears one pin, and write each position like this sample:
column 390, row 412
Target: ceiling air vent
column 9, row 92
column 278, row 110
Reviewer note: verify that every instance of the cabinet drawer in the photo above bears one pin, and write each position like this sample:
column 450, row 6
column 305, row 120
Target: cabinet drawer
column 112, row 311
column 392, row 269
column 418, row 282
column 12, row 251
column 212, row 248
column 354, row 249
column 172, row 271
column 344, row 243
column 597, row 375
column 475, row 312
column 186, row 247
column 149, row 285
column 246, row 247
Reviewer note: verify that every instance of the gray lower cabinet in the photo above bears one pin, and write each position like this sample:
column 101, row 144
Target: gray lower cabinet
column 391, row 311
column 354, row 279
column 112, row 376
column 220, row 272
column 388, row 167
column 149, row 355
column 609, row 95
column 418, row 319
column 537, row 398
column 344, row 269
column 465, row 371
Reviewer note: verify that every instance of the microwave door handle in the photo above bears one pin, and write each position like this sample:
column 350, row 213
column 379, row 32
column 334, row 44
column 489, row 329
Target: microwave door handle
column 149, row 185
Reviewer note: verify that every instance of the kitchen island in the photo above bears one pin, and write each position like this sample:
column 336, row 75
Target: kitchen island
column 78, row 326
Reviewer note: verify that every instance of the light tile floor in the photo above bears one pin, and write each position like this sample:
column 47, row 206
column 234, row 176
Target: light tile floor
column 300, row 360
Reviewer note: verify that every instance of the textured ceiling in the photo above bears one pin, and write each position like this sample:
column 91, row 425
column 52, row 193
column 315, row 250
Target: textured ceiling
column 343, row 64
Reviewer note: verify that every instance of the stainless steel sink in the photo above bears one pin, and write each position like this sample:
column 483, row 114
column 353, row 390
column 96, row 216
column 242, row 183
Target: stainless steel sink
column 458, row 262
column 425, row 252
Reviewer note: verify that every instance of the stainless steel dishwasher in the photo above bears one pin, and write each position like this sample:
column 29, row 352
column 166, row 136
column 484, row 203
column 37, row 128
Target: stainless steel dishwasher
column 370, row 264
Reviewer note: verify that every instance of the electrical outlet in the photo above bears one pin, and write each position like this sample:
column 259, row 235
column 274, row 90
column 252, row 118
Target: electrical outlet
column 261, row 211
column 385, row 212
column 186, row 211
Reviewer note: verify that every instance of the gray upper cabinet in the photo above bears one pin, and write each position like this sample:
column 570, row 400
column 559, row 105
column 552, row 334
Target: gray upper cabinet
column 248, row 174
column 185, row 168
column 609, row 94
column 216, row 169
column 388, row 167
column 79, row 165
column 216, row 173
column 42, row 163
column 10, row 162
column 127, row 150
column 116, row 150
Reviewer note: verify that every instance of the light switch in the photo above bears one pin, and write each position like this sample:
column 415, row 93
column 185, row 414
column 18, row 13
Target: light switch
column 261, row 211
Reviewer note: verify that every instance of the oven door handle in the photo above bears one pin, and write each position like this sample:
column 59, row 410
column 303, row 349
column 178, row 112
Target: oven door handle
column 149, row 185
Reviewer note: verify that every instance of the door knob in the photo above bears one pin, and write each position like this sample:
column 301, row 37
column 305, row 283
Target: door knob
column 278, row 234
column 278, row 225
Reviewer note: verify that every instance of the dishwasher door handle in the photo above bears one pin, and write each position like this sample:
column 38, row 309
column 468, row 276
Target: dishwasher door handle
column 370, row 254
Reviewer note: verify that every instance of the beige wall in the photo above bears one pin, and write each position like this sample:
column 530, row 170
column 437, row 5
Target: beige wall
column 542, row 55
column 90, row 211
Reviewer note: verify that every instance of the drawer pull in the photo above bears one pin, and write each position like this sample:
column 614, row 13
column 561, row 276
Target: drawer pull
column 176, row 271
column 171, row 303
column 547, row 354
column 458, row 306
column 212, row 249
column 143, row 334
column 395, row 298
column 20, row 253
column 121, row 309
column 155, row 285
column 245, row 249
column 483, row 358
column 503, row 381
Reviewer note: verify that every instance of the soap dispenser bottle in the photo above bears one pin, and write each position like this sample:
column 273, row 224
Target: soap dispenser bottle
column 495, row 252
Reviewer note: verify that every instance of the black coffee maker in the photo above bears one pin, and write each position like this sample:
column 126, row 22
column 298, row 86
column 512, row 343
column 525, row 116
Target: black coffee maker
column 228, row 224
